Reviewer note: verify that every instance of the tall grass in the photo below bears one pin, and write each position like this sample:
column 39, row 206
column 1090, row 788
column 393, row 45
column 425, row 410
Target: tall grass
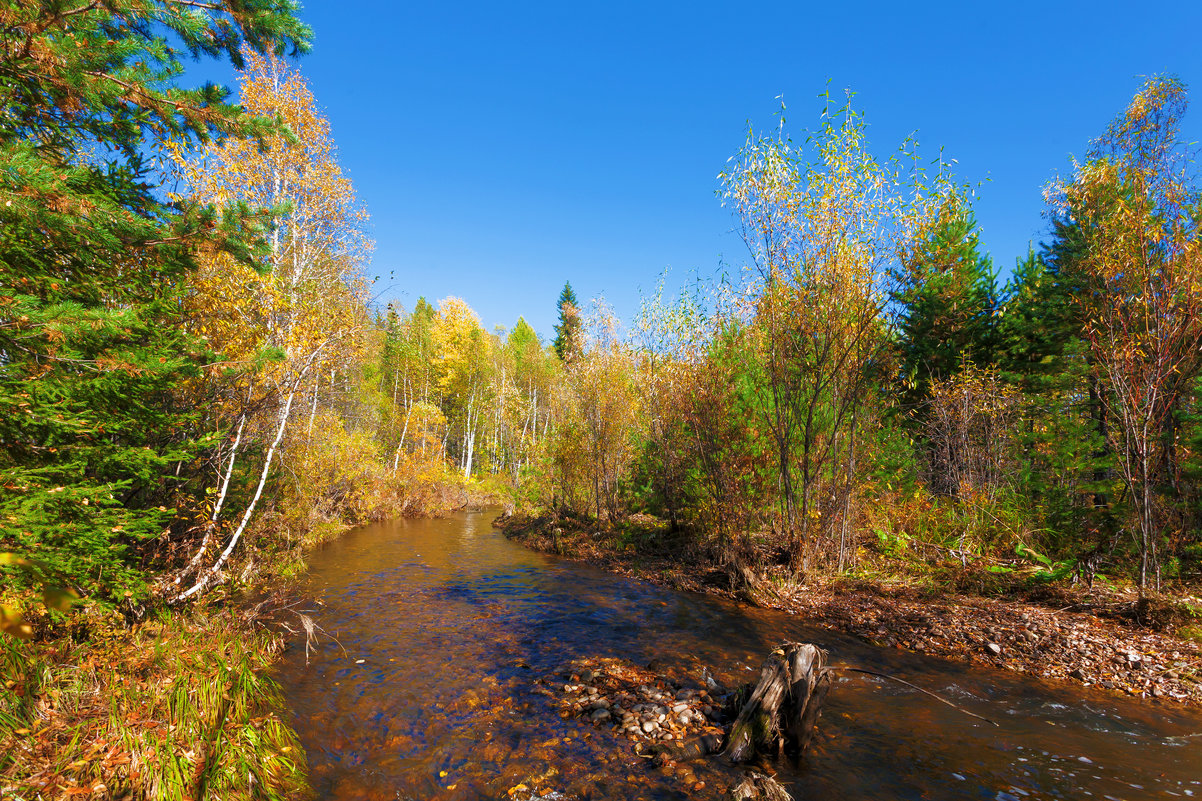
column 177, row 708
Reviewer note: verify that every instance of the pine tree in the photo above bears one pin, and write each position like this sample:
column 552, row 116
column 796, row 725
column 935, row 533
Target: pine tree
column 92, row 262
column 946, row 302
column 567, row 331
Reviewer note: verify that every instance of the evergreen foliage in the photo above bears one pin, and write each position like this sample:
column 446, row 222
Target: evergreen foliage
column 96, row 442
column 947, row 300
column 567, row 330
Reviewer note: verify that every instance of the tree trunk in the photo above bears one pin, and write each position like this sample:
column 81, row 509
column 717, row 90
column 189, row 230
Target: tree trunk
column 784, row 706
column 213, row 518
column 215, row 570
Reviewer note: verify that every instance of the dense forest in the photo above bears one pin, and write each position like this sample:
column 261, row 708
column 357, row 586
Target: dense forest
column 197, row 385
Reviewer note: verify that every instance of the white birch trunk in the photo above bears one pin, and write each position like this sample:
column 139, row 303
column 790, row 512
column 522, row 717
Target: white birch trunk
column 212, row 572
column 212, row 526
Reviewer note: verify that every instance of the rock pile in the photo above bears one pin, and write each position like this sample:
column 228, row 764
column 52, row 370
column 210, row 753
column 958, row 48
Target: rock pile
column 645, row 707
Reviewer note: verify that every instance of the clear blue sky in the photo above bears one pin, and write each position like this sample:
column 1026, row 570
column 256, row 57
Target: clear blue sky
column 502, row 149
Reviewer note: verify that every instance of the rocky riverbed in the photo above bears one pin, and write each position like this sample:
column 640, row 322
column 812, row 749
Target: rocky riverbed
column 673, row 723
column 665, row 719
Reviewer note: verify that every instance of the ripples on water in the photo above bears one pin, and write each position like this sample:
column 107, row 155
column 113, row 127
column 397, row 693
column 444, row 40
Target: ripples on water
column 442, row 626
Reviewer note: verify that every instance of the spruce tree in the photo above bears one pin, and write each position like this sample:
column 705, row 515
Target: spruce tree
column 1066, row 463
column 567, row 331
column 946, row 304
column 96, row 441
column 1034, row 323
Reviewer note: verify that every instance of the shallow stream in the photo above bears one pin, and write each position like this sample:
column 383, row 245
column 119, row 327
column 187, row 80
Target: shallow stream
column 426, row 689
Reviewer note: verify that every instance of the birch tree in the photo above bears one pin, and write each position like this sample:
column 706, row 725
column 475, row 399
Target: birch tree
column 298, row 314
column 1137, row 201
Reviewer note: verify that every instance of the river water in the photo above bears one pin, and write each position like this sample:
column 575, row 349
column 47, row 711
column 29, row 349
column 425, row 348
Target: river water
column 440, row 631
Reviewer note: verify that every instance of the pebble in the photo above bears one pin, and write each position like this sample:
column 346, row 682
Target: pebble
column 993, row 648
column 599, row 715
column 649, row 726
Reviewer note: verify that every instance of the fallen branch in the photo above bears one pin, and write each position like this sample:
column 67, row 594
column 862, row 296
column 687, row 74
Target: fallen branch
column 936, row 696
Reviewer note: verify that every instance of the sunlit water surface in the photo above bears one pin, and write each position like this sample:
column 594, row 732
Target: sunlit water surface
column 443, row 626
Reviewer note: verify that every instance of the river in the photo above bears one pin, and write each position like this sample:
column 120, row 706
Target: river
column 439, row 630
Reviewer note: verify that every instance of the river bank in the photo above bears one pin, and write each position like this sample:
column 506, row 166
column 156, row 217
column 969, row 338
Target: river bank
column 1060, row 633
column 179, row 706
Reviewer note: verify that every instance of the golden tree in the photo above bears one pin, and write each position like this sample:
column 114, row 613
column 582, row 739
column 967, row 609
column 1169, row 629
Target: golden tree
column 823, row 223
column 463, row 359
column 297, row 316
column 599, row 419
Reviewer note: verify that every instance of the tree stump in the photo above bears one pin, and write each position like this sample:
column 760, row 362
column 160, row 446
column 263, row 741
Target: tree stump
column 784, row 706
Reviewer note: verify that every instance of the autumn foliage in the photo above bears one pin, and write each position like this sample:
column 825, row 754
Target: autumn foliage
column 196, row 385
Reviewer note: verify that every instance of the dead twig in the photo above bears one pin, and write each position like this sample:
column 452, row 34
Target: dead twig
column 936, row 696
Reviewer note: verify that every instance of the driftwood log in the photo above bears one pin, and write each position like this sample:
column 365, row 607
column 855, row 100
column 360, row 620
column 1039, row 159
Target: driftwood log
column 783, row 707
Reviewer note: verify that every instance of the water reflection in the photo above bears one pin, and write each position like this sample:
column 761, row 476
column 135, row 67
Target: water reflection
column 443, row 625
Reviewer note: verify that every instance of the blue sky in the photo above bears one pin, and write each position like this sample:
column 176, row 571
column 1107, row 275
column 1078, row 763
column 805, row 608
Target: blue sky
column 502, row 149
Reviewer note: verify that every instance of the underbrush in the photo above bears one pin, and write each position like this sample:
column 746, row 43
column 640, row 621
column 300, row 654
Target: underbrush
column 913, row 546
column 142, row 700
column 177, row 707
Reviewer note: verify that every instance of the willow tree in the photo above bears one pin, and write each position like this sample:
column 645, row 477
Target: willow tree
column 1137, row 203
column 823, row 223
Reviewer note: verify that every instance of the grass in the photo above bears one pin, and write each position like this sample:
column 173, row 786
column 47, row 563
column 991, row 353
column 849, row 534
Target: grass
column 177, row 708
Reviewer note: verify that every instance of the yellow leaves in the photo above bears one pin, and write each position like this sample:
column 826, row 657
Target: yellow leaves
column 827, row 220
column 301, row 310
column 13, row 623
column 460, row 344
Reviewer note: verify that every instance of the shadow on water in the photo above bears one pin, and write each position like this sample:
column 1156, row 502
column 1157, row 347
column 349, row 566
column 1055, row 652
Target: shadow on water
column 443, row 626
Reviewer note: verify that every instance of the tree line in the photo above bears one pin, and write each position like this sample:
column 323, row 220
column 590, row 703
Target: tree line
column 195, row 384
column 867, row 380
